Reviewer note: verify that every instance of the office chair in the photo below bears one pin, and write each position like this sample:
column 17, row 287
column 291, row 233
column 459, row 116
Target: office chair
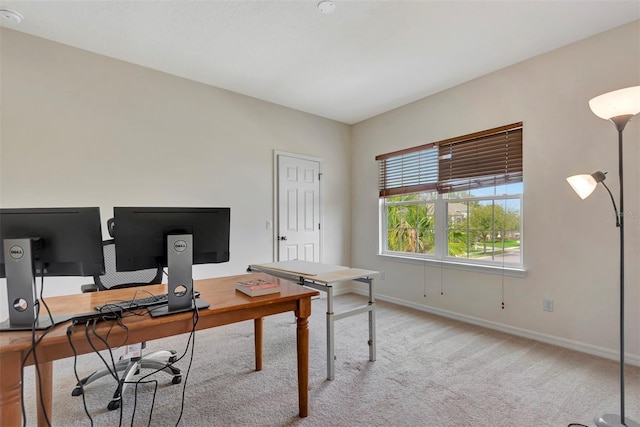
column 113, row 279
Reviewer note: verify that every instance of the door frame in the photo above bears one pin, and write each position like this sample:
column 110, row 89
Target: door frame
column 275, row 214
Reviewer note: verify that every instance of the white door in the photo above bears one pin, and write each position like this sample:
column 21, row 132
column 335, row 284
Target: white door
column 298, row 233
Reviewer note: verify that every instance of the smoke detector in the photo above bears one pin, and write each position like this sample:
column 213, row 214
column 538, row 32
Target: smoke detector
column 326, row 6
column 10, row 15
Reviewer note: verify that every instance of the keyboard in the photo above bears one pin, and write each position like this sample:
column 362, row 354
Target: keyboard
column 134, row 304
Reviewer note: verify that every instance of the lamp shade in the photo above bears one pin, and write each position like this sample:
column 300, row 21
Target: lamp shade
column 583, row 185
column 620, row 102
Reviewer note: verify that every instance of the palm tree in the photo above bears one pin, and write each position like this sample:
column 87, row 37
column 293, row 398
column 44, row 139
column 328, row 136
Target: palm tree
column 410, row 226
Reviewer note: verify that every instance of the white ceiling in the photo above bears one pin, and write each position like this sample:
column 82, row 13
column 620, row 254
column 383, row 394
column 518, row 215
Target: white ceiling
column 366, row 58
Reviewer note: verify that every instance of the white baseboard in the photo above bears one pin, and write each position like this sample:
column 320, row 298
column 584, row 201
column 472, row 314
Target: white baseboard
column 631, row 359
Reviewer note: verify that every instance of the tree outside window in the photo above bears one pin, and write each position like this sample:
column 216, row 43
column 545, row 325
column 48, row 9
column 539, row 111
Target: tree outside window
column 458, row 199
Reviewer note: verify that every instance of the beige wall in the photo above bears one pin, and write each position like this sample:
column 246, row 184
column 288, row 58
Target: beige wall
column 570, row 249
column 80, row 129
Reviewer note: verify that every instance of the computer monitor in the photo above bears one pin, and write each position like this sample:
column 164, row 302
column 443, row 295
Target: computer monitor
column 40, row 242
column 174, row 237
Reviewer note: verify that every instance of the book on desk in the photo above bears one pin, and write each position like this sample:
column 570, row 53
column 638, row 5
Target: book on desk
column 257, row 287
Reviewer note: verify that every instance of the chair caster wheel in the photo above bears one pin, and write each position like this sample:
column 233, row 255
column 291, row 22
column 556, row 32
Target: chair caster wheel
column 114, row 404
column 177, row 379
column 76, row 391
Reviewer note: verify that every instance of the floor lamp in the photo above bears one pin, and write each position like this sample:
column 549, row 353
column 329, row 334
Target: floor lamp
column 619, row 107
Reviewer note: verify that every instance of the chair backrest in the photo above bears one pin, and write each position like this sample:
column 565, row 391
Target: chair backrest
column 112, row 278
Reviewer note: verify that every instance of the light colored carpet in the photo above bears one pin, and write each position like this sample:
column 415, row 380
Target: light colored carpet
column 430, row 371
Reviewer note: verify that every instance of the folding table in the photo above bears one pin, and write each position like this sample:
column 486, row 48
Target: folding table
column 322, row 277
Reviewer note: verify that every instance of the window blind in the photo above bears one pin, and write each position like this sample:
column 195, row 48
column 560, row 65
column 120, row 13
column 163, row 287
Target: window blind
column 488, row 160
column 482, row 159
column 409, row 172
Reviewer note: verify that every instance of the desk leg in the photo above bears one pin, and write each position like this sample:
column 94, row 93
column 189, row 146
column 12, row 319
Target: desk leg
column 372, row 323
column 10, row 398
column 331, row 358
column 46, row 378
column 302, row 339
column 257, row 326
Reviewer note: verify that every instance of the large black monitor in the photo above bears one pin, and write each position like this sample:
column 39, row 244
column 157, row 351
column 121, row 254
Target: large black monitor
column 141, row 234
column 40, row 242
column 174, row 237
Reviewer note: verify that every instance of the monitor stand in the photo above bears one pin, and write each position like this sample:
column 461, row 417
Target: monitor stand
column 180, row 287
column 23, row 304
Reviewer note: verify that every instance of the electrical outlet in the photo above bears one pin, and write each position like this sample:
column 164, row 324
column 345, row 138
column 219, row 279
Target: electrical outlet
column 381, row 275
column 547, row 304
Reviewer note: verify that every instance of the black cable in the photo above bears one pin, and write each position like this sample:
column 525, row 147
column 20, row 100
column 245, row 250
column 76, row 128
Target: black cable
column 33, row 342
column 192, row 337
column 33, row 351
column 114, row 372
column 36, row 365
column 75, row 370
column 24, row 363
column 135, row 399
column 190, row 343
column 86, row 334
column 141, row 380
column 42, row 296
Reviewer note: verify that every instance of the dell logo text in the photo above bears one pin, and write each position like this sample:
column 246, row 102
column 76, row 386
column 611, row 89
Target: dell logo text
column 180, row 246
column 16, row 252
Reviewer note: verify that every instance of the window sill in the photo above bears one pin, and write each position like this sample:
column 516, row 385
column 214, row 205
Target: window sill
column 481, row 268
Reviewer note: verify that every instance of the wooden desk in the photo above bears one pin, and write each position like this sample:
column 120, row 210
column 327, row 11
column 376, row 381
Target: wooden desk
column 227, row 306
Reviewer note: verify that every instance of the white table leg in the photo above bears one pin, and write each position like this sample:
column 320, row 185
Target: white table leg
column 331, row 367
column 372, row 322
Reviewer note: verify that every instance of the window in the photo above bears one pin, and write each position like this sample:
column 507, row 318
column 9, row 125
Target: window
column 458, row 200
